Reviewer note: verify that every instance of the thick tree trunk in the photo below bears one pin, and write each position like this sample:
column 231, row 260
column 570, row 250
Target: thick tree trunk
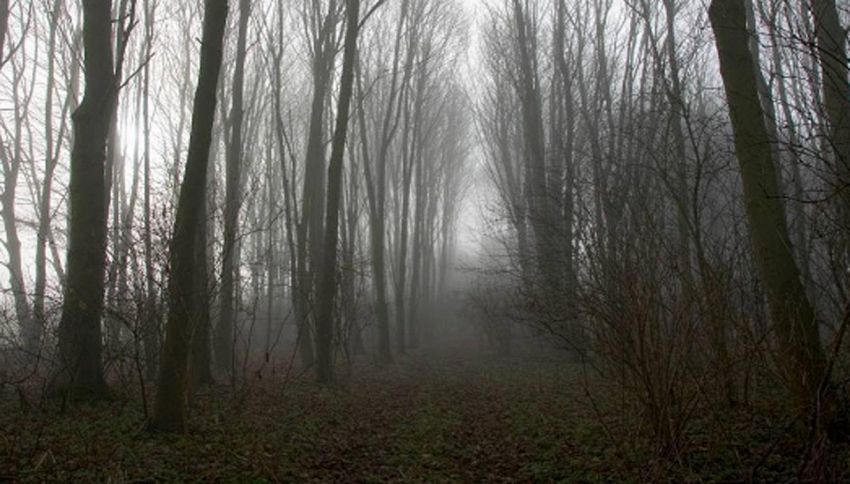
column 202, row 341
column 170, row 410
column 801, row 357
column 81, row 371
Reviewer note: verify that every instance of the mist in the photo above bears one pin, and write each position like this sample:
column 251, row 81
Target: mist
column 424, row 240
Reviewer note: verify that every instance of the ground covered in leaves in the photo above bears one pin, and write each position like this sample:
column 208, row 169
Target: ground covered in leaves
column 445, row 418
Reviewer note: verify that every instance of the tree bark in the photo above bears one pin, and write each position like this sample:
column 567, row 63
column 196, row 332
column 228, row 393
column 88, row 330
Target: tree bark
column 80, row 346
column 801, row 356
column 201, row 347
column 170, row 410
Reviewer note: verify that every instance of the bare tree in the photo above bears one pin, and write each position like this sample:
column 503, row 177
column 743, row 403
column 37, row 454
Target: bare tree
column 233, row 198
column 328, row 278
column 12, row 162
column 81, row 369
column 835, row 79
column 170, row 412
column 801, row 357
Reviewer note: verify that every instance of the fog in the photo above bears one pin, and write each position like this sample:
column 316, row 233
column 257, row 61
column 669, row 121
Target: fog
column 424, row 240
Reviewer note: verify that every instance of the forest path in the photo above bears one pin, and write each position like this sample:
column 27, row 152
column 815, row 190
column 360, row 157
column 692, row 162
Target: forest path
column 452, row 416
column 447, row 416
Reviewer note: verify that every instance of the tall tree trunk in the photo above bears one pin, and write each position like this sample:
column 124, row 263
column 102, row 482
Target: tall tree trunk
column 377, row 192
column 233, row 199
column 44, row 208
column 799, row 223
column 170, row 410
column 801, row 357
column 80, row 345
column 201, row 363
column 310, row 228
column 327, row 287
column 539, row 203
column 201, row 348
column 150, row 321
column 835, row 78
column 676, row 98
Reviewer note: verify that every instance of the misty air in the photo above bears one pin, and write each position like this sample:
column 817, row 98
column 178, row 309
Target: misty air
column 424, row 240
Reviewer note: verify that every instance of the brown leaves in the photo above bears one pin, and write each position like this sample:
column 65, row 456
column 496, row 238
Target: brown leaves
column 462, row 419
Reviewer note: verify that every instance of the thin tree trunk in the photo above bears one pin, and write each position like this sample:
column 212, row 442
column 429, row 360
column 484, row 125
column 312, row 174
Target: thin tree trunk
column 835, row 77
column 310, row 228
column 150, row 322
column 233, row 199
column 539, row 203
column 4, row 27
column 44, row 209
column 327, row 288
column 11, row 163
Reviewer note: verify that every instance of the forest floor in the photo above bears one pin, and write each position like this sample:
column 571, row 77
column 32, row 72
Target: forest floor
column 447, row 418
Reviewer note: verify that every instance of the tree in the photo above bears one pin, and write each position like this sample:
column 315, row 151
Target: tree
column 233, row 199
column 328, row 279
column 801, row 356
column 835, row 80
column 537, row 185
column 151, row 317
column 170, row 410
column 12, row 161
column 322, row 43
column 387, row 123
column 81, row 371
column 53, row 146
